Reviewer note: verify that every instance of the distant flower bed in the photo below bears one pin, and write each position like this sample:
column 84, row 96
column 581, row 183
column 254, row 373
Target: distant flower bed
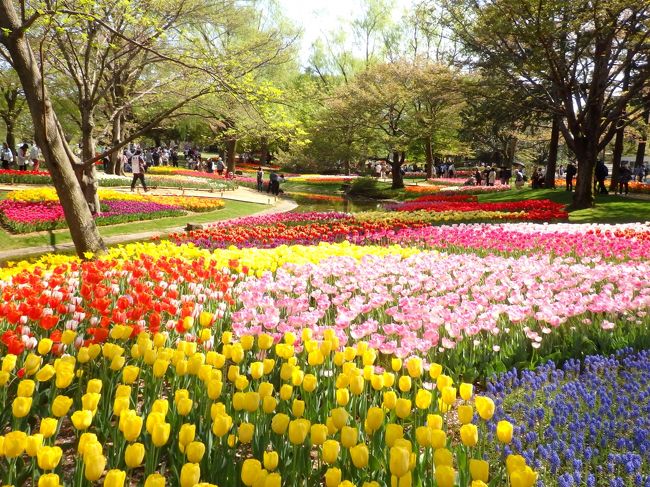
column 11, row 176
column 316, row 197
column 457, row 189
column 39, row 209
column 635, row 186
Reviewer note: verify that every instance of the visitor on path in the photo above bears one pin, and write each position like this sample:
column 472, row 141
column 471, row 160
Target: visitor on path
column 23, row 157
column 624, row 180
column 492, row 177
column 601, row 174
column 220, row 166
column 478, row 177
column 519, row 178
column 379, row 170
column 6, row 156
column 174, row 157
column 34, row 154
column 138, row 168
column 571, row 171
column 260, row 179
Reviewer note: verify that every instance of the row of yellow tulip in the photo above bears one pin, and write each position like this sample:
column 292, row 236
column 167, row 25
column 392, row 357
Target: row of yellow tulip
column 251, row 412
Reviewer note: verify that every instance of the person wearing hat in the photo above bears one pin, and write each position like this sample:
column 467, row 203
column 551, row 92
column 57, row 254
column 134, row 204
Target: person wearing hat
column 22, row 157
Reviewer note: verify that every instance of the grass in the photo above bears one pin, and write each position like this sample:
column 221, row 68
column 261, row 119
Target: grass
column 232, row 209
column 608, row 209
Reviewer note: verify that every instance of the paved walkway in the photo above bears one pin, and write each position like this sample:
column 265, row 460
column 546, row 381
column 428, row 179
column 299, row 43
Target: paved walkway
column 280, row 205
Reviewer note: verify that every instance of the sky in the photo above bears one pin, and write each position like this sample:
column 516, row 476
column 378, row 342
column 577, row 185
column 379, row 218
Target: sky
column 319, row 17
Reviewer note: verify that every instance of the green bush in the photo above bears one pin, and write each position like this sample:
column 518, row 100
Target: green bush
column 366, row 187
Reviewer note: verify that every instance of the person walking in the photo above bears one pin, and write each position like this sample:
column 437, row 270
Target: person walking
column 34, row 154
column 220, row 165
column 571, row 171
column 601, row 174
column 23, row 157
column 260, row 179
column 138, row 168
column 492, row 177
column 624, row 179
column 6, row 156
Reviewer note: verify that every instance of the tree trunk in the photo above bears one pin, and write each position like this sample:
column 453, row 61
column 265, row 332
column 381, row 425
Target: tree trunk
column 616, row 157
column 586, row 152
column 346, row 164
column 116, row 139
column 510, row 151
column 87, row 173
column 231, row 150
column 396, row 166
column 11, row 137
column 640, row 150
column 551, row 165
column 428, row 152
column 264, row 150
column 59, row 159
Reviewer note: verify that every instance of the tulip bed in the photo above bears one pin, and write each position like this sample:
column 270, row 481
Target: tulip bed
column 430, row 189
column 347, row 363
column 38, row 209
column 12, row 176
column 312, row 227
column 580, row 424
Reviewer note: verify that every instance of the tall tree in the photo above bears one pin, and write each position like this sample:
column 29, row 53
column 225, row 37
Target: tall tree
column 570, row 57
column 12, row 103
column 49, row 136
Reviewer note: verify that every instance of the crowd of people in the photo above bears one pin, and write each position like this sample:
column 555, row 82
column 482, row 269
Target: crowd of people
column 26, row 156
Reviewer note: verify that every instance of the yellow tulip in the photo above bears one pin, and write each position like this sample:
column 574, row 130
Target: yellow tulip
column 186, row 434
column 445, row 476
column 360, row 455
column 339, row 417
column 251, row 470
column 298, row 430
column 195, row 451
column 4, row 378
column 396, row 364
column 245, row 432
column 64, row 376
column 120, row 404
column 349, row 436
column 298, row 408
column 33, row 443
column 90, row 400
column 121, row 391
column 264, row 341
column 423, row 399
column 285, row 392
column 184, row 406
column 82, row 419
column 273, row 480
column 49, row 480
column 160, row 434
column 115, row 478
column 155, row 480
column 14, row 444
column 9, row 362
column 414, row 367
column 394, row 432
column 403, row 408
column 375, row 418
column 404, row 383
column 160, row 368
column 485, row 407
column 466, row 391
column 442, row 456
column 515, row 462
column 68, row 336
column 423, row 436
column 215, row 388
column 465, row 414
column 94, row 466
column 44, row 346
column 333, row 477
column 20, row 406
column 32, row 364
column 205, row 319
column 390, row 400
column 271, row 460
column 61, row 405
column 48, row 427
column 504, row 431
column 478, row 483
column 46, row 373
column 130, row 374
column 26, row 388
column 449, row 395
column 309, row 383
column 257, row 370
column 134, row 455
column 399, row 461
column 84, row 440
column 438, row 438
column 221, row 425
column 269, row 403
column 342, row 396
column 279, row 423
column 357, row 385
column 190, row 474
column 479, row 469
column 469, row 434
column 443, row 381
column 330, row 451
column 524, row 477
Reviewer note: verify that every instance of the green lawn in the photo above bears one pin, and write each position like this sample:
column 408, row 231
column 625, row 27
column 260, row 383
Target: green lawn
column 609, row 208
column 232, row 209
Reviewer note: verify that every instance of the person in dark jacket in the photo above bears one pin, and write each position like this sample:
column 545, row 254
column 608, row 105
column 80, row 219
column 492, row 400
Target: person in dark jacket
column 571, row 171
column 624, row 180
column 601, row 174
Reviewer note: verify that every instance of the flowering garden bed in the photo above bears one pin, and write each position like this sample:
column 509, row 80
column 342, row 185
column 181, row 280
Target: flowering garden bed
column 34, row 210
column 359, row 362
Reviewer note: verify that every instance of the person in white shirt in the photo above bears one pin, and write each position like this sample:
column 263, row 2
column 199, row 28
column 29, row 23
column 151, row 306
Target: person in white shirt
column 137, row 168
column 6, row 156
column 34, row 154
column 22, row 157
